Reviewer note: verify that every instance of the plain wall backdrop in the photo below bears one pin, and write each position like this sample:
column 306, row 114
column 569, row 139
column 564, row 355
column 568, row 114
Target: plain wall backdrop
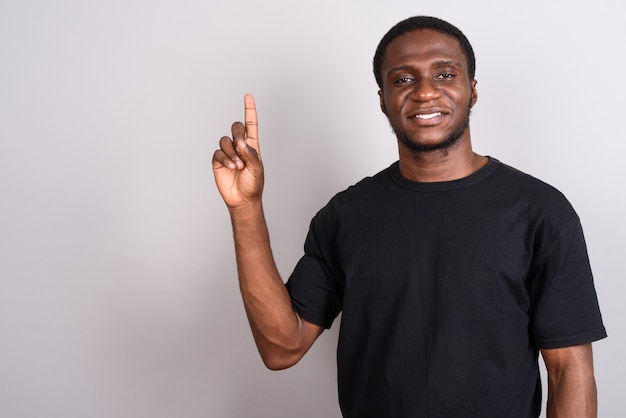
column 118, row 290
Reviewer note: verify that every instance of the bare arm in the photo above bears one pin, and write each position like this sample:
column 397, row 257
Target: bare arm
column 571, row 382
column 281, row 336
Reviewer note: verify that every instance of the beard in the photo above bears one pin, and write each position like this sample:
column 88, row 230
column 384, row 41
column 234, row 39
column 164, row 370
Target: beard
column 448, row 142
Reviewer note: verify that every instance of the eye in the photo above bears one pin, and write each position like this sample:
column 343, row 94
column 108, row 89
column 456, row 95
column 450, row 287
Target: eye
column 445, row 76
column 403, row 80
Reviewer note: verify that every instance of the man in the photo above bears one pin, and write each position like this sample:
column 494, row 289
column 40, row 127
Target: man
column 451, row 270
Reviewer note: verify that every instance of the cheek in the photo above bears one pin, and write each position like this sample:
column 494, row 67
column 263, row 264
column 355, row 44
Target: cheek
column 395, row 102
column 460, row 98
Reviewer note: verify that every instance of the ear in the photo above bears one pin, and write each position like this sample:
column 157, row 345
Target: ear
column 474, row 93
column 382, row 101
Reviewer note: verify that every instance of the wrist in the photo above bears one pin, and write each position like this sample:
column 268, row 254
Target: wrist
column 246, row 210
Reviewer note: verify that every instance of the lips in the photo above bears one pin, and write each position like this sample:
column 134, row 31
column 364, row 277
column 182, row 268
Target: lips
column 428, row 115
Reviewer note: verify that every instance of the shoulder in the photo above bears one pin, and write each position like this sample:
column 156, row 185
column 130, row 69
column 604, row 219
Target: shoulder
column 527, row 182
column 540, row 200
column 365, row 195
column 370, row 188
column 527, row 185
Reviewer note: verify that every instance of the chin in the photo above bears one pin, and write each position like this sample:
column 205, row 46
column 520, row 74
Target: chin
column 428, row 146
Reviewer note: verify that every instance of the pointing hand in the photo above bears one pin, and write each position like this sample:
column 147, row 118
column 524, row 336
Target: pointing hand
column 237, row 164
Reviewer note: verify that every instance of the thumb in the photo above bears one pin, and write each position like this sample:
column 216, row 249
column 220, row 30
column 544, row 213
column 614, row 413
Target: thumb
column 248, row 154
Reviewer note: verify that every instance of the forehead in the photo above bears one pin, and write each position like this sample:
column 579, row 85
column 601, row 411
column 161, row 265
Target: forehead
column 423, row 46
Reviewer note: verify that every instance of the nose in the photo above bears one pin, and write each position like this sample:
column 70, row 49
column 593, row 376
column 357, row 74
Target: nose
column 425, row 90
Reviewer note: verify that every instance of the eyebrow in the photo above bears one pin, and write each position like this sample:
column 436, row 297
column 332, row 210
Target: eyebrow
column 447, row 63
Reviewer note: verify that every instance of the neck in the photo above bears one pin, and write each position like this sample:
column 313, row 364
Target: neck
column 448, row 164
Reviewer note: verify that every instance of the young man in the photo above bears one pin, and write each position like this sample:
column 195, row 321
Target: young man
column 451, row 270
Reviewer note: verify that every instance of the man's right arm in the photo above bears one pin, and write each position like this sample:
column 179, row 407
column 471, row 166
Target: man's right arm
column 281, row 336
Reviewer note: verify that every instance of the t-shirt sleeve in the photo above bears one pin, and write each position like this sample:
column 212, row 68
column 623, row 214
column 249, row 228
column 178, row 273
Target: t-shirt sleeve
column 565, row 309
column 313, row 286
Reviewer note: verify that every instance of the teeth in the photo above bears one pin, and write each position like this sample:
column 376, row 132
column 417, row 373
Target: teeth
column 428, row 116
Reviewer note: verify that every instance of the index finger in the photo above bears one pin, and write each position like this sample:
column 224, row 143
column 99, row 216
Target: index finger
column 252, row 123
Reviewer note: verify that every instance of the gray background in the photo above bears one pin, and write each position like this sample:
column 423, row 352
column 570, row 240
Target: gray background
column 118, row 293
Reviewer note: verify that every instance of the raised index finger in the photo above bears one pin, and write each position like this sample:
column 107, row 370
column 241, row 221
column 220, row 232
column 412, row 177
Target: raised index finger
column 252, row 123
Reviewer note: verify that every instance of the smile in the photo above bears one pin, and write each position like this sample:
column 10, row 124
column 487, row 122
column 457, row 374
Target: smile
column 428, row 115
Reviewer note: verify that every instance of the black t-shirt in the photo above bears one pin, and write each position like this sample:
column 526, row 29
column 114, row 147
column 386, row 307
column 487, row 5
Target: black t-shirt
column 447, row 290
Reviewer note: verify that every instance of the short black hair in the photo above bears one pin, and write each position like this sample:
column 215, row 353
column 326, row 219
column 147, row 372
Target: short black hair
column 422, row 22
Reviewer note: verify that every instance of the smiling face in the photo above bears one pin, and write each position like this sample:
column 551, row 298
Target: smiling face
column 427, row 92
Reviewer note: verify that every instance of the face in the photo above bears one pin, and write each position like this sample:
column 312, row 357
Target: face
column 427, row 93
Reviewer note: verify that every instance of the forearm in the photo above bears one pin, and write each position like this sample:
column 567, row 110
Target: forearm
column 572, row 397
column 282, row 337
column 571, row 384
column 277, row 329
